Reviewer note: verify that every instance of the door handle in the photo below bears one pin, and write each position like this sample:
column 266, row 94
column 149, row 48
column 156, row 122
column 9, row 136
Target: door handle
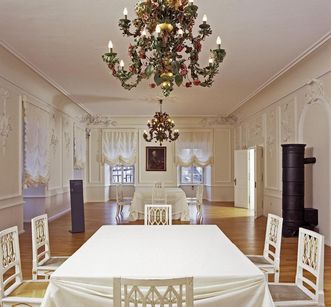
column 235, row 181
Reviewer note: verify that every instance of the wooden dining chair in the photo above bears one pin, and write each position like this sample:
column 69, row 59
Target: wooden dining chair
column 197, row 200
column 43, row 264
column 158, row 214
column 121, row 201
column 14, row 291
column 269, row 262
column 159, row 292
column 159, row 194
column 308, row 287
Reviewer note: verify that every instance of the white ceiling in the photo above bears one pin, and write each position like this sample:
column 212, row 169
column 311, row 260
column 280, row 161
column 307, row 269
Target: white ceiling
column 65, row 40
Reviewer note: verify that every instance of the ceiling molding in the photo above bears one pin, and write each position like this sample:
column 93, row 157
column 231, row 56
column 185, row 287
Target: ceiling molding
column 15, row 53
column 298, row 59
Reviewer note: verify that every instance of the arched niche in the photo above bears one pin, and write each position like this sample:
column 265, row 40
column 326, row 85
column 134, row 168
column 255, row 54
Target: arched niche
column 315, row 131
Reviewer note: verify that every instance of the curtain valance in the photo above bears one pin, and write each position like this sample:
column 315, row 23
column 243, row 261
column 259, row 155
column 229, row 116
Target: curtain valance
column 36, row 139
column 194, row 148
column 119, row 147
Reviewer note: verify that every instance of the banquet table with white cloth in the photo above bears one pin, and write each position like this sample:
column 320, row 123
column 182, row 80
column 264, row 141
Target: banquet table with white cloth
column 222, row 274
column 175, row 197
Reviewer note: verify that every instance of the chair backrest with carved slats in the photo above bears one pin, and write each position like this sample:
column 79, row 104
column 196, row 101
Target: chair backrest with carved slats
column 310, row 264
column 40, row 240
column 10, row 261
column 273, row 239
column 159, row 194
column 119, row 193
column 199, row 194
column 167, row 292
column 158, row 215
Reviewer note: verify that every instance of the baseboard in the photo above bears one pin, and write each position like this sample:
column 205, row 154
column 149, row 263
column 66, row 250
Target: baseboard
column 56, row 216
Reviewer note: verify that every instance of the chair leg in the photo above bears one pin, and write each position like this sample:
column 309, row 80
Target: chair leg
column 118, row 210
column 276, row 276
column 34, row 275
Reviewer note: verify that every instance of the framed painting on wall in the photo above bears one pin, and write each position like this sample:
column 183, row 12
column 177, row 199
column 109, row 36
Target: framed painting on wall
column 156, row 159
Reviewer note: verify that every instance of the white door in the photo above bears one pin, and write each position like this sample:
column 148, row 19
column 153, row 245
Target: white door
column 241, row 187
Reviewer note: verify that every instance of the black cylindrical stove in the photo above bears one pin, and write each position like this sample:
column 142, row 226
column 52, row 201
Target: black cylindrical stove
column 294, row 187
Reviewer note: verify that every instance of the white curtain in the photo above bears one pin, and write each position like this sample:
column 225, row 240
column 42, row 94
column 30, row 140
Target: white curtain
column 194, row 148
column 79, row 148
column 119, row 147
column 36, row 139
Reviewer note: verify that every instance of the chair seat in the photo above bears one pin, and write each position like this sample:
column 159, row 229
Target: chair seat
column 29, row 289
column 53, row 263
column 287, row 292
column 259, row 260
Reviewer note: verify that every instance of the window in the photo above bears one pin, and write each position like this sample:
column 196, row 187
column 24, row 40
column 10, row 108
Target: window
column 123, row 174
column 191, row 175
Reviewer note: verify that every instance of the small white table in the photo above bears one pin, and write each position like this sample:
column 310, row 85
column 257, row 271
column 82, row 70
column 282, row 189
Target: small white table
column 175, row 197
column 223, row 276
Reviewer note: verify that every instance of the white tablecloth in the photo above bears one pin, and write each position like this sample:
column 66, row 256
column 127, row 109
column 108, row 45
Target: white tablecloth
column 223, row 276
column 175, row 197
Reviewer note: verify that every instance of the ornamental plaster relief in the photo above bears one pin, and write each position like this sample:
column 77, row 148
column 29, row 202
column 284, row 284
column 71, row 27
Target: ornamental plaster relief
column 271, row 133
column 255, row 132
column 5, row 121
column 218, row 121
column 288, row 122
column 54, row 138
column 315, row 91
column 272, row 150
column 67, row 135
column 237, row 132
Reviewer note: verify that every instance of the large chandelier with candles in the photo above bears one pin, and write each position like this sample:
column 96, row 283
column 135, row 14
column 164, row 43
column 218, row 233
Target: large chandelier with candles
column 161, row 128
column 164, row 47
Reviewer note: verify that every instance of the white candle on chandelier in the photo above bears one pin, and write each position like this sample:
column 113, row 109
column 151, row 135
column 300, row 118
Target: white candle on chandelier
column 158, row 30
column 191, row 2
column 205, row 19
column 211, row 61
column 122, row 64
column 219, row 42
column 180, row 32
column 110, row 46
column 125, row 13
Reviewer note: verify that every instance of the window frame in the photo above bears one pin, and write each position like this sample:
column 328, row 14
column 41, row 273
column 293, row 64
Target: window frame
column 121, row 175
column 192, row 183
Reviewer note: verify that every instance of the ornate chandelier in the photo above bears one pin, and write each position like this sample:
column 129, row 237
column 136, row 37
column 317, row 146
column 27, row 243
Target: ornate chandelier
column 160, row 128
column 164, row 47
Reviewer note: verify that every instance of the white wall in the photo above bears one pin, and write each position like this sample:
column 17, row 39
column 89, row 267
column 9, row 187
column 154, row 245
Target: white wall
column 22, row 83
column 292, row 111
column 218, row 183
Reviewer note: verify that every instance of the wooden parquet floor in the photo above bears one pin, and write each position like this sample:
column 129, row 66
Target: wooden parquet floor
column 244, row 231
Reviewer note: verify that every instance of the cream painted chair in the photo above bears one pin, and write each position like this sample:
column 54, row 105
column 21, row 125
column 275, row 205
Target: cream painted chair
column 159, row 292
column 197, row 200
column 158, row 215
column 43, row 264
column 269, row 262
column 308, row 287
column 14, row 291
column 159, row 194
column 121, row 201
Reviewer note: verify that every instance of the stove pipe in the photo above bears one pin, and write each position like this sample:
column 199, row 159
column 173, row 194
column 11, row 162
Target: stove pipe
column 294, row 187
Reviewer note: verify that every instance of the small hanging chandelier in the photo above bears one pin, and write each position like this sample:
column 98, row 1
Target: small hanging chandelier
column 164, row 47
column 160, row 128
